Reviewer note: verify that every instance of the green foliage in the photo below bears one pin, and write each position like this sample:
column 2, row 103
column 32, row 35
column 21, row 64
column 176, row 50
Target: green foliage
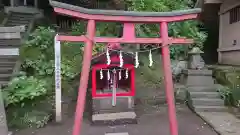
column 38, row 54
column 25, row 92
column 231, row 96
column 230, row 79
column 28, row 116
column 179, row 29
column 24, row 88
column 21, row 97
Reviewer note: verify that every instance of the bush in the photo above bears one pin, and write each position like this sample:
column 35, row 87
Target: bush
column 29, row 96
column 21, row 98
column 179, row 29
column 24, row 88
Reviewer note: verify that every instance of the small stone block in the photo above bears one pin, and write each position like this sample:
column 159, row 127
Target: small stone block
column 114, row 118
column 203, row 72
column 124, row 133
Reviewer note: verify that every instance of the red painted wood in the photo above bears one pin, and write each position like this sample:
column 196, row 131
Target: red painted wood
column 84, row 78
column 133, row 89
column 129, row 31
column 123, row 40
column 94, row 83
column 142, row 40
column 72, row 38
column 168, row 80
column 125, row 18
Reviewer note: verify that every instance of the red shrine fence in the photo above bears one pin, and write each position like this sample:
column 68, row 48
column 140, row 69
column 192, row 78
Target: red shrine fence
column 129, row 19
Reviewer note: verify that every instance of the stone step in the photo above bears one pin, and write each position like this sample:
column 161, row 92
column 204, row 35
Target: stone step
column 8, row 61
column 9, row 46
column 3, row 82
column 16, row 24
column 5, row 77
column 19, row 21
column 21, row 15
column 5, row 70
column 210, row 109
column 207, row 102
column 13, row 42
column 200, row 94
column 4, row 64
column 202, row 89
column 20, row 18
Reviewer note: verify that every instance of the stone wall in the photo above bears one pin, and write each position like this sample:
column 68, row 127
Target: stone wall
column 226, row 75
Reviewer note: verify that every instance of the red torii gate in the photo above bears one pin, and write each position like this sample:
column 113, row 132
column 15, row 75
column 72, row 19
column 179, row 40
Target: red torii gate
column 128, row 18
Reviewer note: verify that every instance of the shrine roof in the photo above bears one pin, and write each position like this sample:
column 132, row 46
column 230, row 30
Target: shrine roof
column 57, row 4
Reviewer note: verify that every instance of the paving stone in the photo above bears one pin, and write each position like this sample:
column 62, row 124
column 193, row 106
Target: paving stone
column 223, row 122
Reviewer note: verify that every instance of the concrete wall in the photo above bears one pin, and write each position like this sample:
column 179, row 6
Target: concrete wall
column 228, row 52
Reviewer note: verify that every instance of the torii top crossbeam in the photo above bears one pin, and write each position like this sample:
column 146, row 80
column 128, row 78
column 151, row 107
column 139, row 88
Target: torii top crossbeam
column 124, row 16
column 128, row 18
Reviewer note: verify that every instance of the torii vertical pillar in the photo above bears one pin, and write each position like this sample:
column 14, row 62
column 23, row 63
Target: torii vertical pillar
column 168, row 82
column 84, row 77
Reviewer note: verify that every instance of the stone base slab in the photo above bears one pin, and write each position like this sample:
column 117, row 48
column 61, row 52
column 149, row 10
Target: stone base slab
column 114, row 118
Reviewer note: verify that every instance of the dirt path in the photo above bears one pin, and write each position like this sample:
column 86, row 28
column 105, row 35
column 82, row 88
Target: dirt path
column 154, row 122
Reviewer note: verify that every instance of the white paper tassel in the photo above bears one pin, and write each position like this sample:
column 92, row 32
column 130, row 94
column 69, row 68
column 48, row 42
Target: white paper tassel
column 136, row 60
column 108, row 57
column 114, row 71
column 121, row 59
column 150, row 58
column 108, row 74
column 101, row 74
column 126, row 74
column 119, row 75
column 111, row 81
